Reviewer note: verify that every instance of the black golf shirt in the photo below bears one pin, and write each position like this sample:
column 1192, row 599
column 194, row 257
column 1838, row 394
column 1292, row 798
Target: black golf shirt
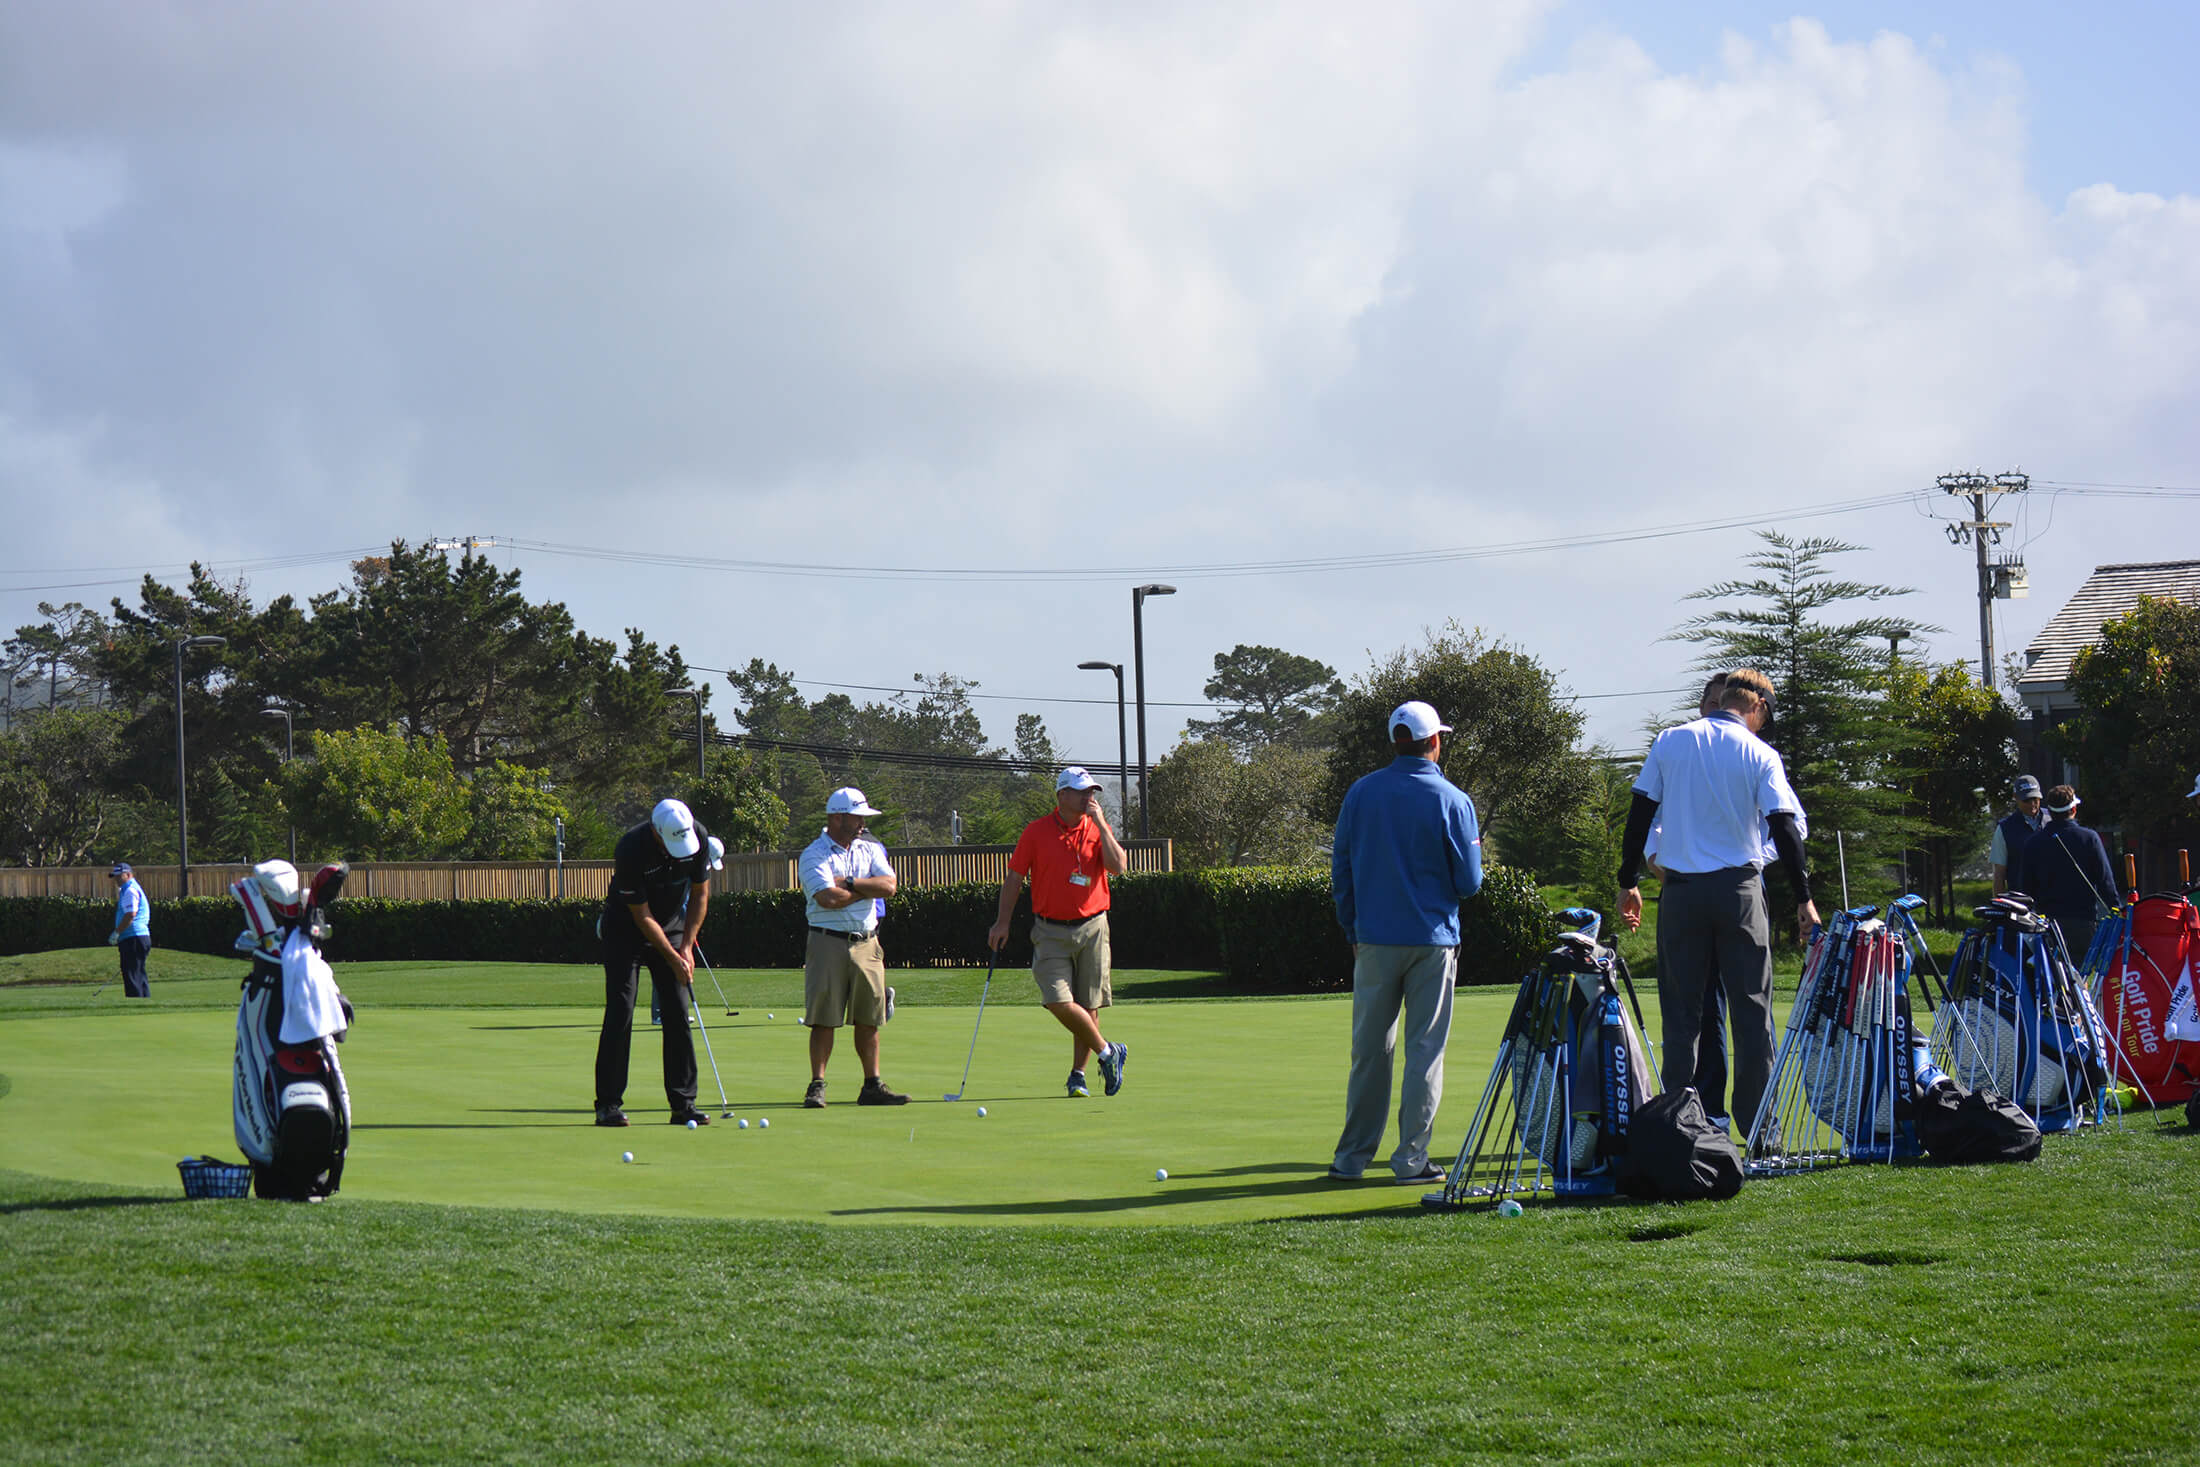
column 641, row 871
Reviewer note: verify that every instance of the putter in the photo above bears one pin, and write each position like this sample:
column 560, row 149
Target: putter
column 731, row 1011
column 724, row 1104
column 994, row 956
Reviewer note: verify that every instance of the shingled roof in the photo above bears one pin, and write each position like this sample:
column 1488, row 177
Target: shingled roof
column 2108, row 593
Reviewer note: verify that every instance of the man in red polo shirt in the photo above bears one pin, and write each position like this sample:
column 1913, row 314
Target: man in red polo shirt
column 1069, row 854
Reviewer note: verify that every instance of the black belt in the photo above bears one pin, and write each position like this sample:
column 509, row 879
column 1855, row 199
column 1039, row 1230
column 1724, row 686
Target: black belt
column 1072, row 922
column 845, row 936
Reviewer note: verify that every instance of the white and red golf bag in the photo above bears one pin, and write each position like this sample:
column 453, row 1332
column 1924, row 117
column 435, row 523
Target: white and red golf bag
column 293, row 1112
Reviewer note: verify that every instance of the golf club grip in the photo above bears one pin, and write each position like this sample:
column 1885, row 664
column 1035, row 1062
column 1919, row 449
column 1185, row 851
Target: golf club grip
column 2131, row 871
column 2184, row 868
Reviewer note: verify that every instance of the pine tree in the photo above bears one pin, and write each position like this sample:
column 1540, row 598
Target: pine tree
column 1844, row 749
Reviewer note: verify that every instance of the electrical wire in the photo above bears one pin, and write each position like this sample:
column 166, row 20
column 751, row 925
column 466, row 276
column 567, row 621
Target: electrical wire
column 1206, row 570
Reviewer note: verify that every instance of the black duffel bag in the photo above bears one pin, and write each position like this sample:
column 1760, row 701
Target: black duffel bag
column 1676, row 1154
column 1959, row 1127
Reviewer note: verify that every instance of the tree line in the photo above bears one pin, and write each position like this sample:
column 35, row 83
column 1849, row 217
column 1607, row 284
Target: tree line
column 441, row 714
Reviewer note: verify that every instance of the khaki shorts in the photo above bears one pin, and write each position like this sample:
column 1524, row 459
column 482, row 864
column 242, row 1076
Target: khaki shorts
column 1069, row 961
column 843, row 982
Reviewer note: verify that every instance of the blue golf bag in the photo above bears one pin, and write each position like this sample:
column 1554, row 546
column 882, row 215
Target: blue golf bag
column 1571, row 1070
column 2020, row 1021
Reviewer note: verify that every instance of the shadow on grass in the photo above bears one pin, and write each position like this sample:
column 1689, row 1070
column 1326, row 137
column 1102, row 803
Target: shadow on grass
column 87, row 1204
column 1166, row 1194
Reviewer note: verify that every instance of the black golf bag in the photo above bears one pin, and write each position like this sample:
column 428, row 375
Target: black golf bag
column 292, row 1109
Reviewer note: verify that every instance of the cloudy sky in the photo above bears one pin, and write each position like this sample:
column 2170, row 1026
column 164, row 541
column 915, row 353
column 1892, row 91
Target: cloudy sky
column 1047, row 300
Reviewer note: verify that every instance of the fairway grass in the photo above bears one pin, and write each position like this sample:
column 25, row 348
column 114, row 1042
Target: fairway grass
column 921, row 1285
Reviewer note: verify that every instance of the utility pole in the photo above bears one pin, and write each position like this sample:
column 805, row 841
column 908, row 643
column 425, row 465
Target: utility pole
column 467, row 544
column 2002, row 579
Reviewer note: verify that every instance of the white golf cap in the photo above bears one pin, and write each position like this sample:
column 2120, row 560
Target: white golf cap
column 848, row 800
column 2065, row 809
column 1075, row 778
column 676, row 828
column 1419, row 719
column 717, row 854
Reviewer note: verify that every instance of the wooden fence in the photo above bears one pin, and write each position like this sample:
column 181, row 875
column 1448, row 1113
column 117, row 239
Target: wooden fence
column 538, row 880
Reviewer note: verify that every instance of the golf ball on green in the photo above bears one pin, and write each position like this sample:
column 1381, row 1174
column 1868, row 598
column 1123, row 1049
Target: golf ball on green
column 981, row 1110
column 1161, row 1174
column 626, row 1156
column 1508, row 1208
column 743, row 1123
column 765, row 1123
column 691, row 1125
column 771, row 1016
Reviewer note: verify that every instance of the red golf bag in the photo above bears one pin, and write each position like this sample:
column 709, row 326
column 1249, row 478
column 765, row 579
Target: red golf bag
column 2149, row 961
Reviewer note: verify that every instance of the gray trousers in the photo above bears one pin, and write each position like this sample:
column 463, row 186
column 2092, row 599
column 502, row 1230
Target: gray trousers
column 1385, row 981
column 1715, row 921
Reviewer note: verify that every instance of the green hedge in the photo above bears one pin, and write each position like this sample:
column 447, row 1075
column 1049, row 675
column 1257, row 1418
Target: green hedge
column 1271, row 929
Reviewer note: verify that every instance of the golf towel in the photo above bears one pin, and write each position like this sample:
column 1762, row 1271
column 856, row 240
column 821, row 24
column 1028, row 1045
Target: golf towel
column 312, row 1008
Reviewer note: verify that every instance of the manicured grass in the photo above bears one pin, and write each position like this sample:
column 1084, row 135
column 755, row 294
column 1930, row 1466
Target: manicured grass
column 1242, row 1311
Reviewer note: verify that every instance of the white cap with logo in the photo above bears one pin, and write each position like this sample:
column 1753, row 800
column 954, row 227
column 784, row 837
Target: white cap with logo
column 1075, row 778
column 1419, row 719
column 676, row 828
column 848, row 800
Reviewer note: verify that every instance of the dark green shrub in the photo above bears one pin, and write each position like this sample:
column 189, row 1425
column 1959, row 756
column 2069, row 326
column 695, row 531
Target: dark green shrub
column 1272, row 929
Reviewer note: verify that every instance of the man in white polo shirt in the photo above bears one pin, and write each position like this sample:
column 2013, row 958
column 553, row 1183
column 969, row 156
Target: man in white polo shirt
column 846, row 880
column 1713, row 789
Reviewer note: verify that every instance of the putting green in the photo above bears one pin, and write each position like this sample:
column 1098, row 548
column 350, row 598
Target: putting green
column 1239, row 1100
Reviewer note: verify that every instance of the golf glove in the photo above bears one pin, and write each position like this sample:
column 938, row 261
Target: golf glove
column 114, row 939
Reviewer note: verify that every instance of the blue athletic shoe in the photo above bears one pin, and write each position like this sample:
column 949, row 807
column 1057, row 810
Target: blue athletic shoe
column 1076, row 1086
column 1111, row 1065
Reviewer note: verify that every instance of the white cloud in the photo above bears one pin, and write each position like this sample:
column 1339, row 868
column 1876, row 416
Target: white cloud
column 999, row 284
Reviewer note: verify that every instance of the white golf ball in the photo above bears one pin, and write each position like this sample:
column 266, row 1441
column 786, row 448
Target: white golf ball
column 981, row 1110
column 742, row 1123
column 1508, row 1208
column 765, row 1122
column 771, row 1016
column 626, row 1156
column 1161, row 1174
column 691, row 1125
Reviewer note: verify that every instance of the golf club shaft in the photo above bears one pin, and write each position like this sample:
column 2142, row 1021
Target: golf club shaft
column 723, row 1103
column 992, row 959
column 722, row 1003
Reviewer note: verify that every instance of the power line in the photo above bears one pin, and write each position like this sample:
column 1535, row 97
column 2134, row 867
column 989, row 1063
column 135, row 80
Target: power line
column 1210, row 570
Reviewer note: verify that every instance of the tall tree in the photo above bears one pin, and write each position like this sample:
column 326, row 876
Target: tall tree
column 1271, row 696
column 53, row 798
column 1218, row 809
column 1513, row 738
column 1958, row 757
column 1843, row 749
column 2136, row 737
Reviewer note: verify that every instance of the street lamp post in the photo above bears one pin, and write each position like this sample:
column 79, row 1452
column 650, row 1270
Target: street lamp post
column 1138, row 656
column 1122, row 740
column 697, row 695
column 290, row 751
column 183, row 820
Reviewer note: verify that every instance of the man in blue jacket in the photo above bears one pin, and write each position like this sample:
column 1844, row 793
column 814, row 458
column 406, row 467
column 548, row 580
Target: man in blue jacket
column 2011, row 832
column 2066, row 872
column 1407, row 853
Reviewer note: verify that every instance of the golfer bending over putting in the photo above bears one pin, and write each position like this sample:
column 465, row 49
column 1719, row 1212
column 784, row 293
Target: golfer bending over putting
column 652, row 916
column 1069, row 854
column 1407, row 853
